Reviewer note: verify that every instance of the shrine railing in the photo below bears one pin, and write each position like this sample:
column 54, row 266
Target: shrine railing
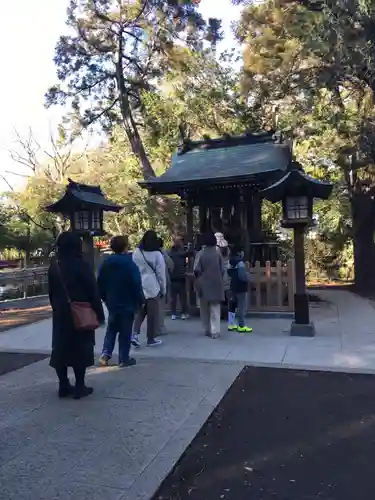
column 23, row 283
column 271, row 288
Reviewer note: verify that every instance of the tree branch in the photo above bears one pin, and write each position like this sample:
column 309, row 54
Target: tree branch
column 21, row 210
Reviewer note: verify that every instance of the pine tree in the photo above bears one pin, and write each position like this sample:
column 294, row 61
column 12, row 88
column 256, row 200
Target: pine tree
column 117, row 50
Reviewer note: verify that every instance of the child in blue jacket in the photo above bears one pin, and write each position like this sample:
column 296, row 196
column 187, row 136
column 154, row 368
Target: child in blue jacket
column 239, row 284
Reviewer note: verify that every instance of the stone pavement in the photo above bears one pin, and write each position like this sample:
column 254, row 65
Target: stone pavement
column 345, row 339
column 119, row 444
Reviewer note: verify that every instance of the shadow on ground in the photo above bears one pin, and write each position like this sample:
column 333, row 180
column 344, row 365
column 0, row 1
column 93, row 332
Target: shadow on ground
column 11, row 361
column 283, row 434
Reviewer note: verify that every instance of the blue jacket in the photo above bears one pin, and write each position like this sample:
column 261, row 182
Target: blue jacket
column 120, row 284
column 239, row 280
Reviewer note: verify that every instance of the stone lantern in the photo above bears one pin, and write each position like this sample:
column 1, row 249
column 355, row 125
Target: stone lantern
column 297, row 190
column 84, row 206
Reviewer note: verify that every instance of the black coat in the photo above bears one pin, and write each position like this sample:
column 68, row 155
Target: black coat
column 69, row 346
column 179, row 256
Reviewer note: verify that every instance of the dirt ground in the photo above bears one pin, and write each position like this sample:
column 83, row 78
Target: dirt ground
column 11, row 318
column 283, row 435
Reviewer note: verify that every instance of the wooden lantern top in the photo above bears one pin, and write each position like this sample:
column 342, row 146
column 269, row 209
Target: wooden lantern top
column 82, row 197
column 296, row 182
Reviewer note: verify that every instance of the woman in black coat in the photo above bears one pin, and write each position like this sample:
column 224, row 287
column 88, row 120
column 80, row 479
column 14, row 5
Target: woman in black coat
column 71, row 347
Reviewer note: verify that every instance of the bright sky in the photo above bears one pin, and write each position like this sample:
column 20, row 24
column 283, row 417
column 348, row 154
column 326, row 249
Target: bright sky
column 28, row 36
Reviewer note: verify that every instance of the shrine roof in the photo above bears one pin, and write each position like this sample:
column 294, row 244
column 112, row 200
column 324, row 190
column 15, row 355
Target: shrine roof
column 222, row 161
column 82, row 197
column 296, row 182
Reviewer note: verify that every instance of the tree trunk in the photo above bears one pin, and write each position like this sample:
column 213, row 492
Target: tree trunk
column 129, row 124
column 363, row 214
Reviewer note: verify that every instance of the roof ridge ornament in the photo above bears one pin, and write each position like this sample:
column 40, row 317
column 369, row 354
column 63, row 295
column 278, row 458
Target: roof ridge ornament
column 227, row 140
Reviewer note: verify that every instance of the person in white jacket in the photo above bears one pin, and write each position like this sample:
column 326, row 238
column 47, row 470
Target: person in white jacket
column 151, row 265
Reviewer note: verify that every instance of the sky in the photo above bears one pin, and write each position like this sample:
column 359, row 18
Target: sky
column 29, row 32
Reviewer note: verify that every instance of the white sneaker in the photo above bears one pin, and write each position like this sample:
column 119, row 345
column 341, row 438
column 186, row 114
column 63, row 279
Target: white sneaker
column 134, row 341
column 174, row 317
column 185, row 316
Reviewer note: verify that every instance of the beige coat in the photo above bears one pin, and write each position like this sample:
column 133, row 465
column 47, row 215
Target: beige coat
column 209, row 269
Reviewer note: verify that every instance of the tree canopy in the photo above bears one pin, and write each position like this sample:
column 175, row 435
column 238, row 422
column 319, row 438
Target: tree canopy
column 119, row 50
column 135, row 72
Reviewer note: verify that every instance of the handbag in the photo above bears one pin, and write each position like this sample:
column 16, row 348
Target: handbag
column 83, row 315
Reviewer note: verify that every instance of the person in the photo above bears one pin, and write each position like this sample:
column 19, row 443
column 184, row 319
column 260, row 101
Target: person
column 223, row 248
column 169, row 266
column 178, row 277
column 239, row 283
column 120, row 288
column 71, row 279
column 151, row 265
column 209, row 272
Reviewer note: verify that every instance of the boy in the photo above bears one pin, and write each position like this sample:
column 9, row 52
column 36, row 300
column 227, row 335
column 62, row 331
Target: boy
column 121, row 290
column 239, row 282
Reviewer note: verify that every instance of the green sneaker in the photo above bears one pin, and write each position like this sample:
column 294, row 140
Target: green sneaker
column 232, row 328
column 244, row 329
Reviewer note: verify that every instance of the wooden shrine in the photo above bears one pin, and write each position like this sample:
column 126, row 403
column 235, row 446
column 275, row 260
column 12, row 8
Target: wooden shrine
column 219, row 181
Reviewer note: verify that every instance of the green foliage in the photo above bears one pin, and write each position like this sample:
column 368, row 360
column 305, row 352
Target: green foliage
column 116, row 52
column 115, row 168
column 139, row 70
column 312, row 65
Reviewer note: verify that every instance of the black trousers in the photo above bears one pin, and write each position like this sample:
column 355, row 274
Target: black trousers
column 178, row 291
column 79, row 374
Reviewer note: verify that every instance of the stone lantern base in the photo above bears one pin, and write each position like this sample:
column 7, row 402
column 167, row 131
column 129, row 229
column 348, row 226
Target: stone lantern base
column 298, row 330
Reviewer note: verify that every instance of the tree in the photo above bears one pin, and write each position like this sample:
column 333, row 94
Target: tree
column 46, row 173
column 119, row 50
column 115, row 168
column 203, row 96
column 314, row 63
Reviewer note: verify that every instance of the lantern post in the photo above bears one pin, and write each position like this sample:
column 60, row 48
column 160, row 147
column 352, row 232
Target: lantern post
column 297, row 190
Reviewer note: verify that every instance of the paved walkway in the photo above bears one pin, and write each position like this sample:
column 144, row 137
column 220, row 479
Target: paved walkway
column 120, row 443
column 345, row 325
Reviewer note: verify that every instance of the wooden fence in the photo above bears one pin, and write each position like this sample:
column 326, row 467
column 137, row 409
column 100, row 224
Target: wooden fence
column 271, row 288
column 23, row 283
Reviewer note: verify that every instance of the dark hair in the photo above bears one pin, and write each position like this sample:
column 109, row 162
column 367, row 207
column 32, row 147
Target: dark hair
column 68, row 244
column 119, row 244
column 161, row 243
column 209, row 240
column 150, row 242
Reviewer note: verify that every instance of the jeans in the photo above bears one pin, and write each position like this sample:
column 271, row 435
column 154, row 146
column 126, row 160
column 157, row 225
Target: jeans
column 151, row 310
column 178, row 290
column 210, row 316
column 120, row 323
column 238, row 303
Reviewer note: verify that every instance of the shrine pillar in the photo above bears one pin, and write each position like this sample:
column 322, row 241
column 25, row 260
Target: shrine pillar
column 203, row 222
column 254, row 218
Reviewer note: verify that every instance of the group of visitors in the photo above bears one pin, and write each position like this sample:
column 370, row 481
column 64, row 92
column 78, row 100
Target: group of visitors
column 135, row 287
